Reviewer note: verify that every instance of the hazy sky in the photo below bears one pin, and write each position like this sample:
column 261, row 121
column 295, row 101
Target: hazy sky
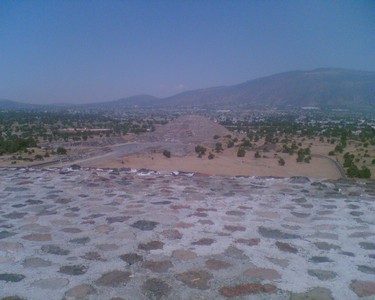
column 90, row 51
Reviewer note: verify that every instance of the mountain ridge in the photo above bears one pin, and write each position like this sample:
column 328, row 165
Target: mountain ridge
column 322, row 87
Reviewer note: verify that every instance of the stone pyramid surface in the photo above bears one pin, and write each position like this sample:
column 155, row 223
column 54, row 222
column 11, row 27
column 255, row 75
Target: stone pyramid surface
column 108, row 234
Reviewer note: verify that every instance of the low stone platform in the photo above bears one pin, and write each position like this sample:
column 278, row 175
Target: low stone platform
column 104, row 234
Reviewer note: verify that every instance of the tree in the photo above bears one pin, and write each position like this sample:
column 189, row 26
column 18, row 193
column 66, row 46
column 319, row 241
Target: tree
column 352, row 171
column 348, row 159
column 200, row 150
column 75, row 166
column 246, row 143
column 38, row 157
column 364, row 173
column 339, row 148
column 61, row 151
column 167, row 153
column 241, row 152
column 218, row 147
column 281, row 162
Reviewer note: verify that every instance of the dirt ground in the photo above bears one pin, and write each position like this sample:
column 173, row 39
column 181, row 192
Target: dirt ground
column 227, row 163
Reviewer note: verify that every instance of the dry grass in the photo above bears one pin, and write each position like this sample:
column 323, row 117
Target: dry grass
column 227, row 163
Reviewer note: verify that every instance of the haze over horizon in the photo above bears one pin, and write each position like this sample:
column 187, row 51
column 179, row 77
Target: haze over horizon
column 91, row 51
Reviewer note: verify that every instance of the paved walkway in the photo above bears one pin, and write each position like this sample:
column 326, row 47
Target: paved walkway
column 101, row 234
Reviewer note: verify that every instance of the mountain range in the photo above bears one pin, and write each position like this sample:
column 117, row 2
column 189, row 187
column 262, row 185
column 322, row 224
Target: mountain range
column 323, row 88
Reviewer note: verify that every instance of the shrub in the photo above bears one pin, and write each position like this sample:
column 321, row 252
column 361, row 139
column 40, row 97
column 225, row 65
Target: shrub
column 257, row 154
column 246, row 143
column 61, row 150
column 218, row 147
column 364, row 173
column 339, row 148
column 241, row 152
column 353, row 171
column 38, row 157
column 200, row 150
column 281, row 162
column 211, row 156
column 167, row 153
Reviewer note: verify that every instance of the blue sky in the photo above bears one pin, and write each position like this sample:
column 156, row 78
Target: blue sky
column 90, row 51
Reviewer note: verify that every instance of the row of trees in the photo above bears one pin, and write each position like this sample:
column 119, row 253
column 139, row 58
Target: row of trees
column 15, row 144
column 352, row 169
column 49, row 126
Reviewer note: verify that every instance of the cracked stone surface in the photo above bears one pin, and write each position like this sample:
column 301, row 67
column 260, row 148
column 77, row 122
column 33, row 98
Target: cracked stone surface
column 113, row 279
column 195, row 279
column 80, row 292
column 247, row 289
column 126, row 234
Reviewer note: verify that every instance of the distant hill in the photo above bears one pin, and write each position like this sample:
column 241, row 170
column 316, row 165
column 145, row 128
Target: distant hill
column 133, row 101
column 326, row 88
column 6, row 104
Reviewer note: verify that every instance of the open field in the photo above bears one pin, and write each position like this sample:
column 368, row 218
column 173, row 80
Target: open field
column 226, row 163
